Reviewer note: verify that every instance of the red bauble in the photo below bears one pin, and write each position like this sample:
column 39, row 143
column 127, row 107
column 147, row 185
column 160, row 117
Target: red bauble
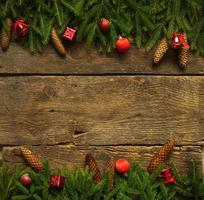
column 56, row 181
column 122, row 166
column 26, row 180
column 122, row 44
column 104, row 25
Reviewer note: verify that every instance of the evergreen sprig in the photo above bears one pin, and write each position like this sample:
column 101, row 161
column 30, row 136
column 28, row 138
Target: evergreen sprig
column 79, row 185
column 143, row 22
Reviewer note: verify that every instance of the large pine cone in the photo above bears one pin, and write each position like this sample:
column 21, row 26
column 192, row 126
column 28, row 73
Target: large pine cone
column 111, row 172
column 161, row 155
column 161, row 50
column 91, row 163
column 32, row 159
column 5, row 36
column 57, row 43
column 183, row 57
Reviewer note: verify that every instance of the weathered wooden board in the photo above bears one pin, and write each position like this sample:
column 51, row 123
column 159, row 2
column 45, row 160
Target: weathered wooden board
column 67, row 155
column 108, row 110
column 80, row 61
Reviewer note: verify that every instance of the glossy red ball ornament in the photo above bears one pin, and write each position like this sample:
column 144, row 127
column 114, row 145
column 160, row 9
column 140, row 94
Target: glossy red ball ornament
column 26, row 180
column 122, row 166
column 105, row 25
column 122, row 44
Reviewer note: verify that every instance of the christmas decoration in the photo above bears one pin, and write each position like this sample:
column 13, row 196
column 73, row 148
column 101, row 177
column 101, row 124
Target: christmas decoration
column 5, row 36
column 183, row 57
column 69, row 34
column 79, row 184
column 104, row 25
column 179, row 40
column 111, row 172
column 161, row 155
column 91, row 163
column 57, row 43
column 161, row 50
column 167, row 174
column 32, row 159
column 21, row 28
column 122, row 45
column 26, row 180
column 56, row 181
column 122, row 166
column 144, row 21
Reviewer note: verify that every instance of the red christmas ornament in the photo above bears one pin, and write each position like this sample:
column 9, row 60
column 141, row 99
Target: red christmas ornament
column 56, row 181
column 122, row 45
column 179, row 40
column 69, row 34
column 21, row 28
column 122, row 166
column 168, row 176
column 104, row 25
column 26, row 180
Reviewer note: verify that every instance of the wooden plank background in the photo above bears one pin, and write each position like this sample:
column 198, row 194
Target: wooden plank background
column 104, row 104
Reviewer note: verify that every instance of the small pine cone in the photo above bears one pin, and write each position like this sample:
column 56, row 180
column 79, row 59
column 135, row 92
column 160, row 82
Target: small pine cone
column 161, row 50
column 5, row 36
column 32, row 159
column 57, row 43
column 161, row 155
column 91, row 163
column 111, row 172
column 183, row 57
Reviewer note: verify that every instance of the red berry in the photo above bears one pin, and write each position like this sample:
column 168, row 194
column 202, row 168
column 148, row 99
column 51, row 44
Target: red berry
column 26, row 180
column 122, row 44
column 104, row 25
column 122, row 166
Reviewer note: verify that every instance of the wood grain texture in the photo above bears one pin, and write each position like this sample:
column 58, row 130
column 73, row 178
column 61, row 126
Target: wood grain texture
column 80, row 61
column 110, row 110
column 68, row 155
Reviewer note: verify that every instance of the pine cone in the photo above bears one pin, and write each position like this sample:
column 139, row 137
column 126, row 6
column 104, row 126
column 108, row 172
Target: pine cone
column 183, row 56
column 91, row 163
column 161, row 50
column 57, row 43
column 111, row 172
column 161, row 155
column 32, row 159
column 5, row 36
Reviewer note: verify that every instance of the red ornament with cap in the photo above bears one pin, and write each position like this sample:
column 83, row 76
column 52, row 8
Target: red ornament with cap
column 122, row 166
column 122, row 44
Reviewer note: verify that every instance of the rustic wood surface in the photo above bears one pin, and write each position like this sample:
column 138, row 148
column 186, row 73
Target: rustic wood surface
column 78, row 61
column 104, row 104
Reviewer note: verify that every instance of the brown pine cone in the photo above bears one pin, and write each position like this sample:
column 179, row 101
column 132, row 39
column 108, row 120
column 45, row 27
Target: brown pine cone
column 161, row 155
column 111, row 172
column 161, row 50
column 32, row 159
column 183, row 57
column 57, row 43
column 5, row 36
column 91, row 163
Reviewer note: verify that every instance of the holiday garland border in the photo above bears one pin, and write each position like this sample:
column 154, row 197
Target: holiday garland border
column 142, row 22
